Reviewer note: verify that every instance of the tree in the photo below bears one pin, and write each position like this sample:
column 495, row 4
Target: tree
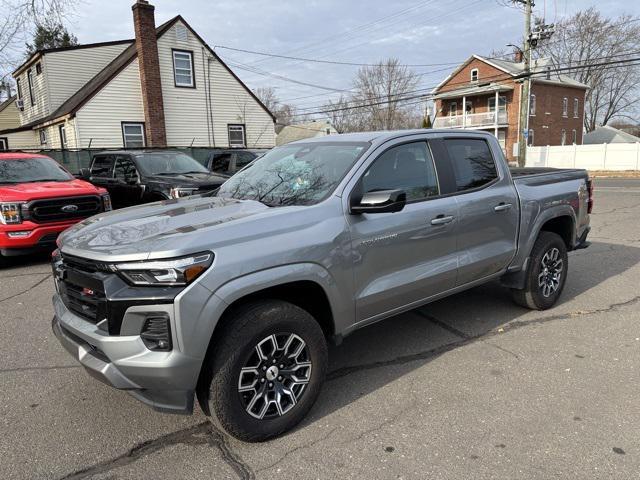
column 51, row 34
column 379, row 100
column 284, row 112
column 18, row 18
column 378, row 89
column 587, row 38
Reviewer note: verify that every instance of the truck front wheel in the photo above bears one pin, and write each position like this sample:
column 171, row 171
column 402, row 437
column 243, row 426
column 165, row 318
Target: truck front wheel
column 546, row 273
column 266, row 369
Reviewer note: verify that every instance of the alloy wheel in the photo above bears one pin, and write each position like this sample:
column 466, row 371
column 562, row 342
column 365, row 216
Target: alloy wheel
column 275, row 375
column 550, row 272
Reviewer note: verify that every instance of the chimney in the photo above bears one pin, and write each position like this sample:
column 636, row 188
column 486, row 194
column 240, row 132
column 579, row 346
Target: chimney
column 517, row 55
column 146, row 44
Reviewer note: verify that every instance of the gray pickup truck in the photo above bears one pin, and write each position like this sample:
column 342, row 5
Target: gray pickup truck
column 232, row 296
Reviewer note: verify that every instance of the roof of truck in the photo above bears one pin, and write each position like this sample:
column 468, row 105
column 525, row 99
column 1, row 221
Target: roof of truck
column 382, row 136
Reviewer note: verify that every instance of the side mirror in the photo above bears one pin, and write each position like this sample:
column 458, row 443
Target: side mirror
column 383, row 201
column 85, row 174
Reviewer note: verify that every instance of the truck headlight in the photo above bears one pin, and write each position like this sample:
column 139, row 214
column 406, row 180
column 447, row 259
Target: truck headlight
column 173, row 272
column 181, row 192
column 106, row 202
column 10, row 213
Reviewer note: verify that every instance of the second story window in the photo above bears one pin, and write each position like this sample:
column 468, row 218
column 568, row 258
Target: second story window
column 575, row 108
column 133, row 135
column 183, row 69
column 38, row 68
column 19, row 87
column 32, row 97
column 43, row 137
column 565, row 107
column 502, row 104
column 532, row 106
column 474, row 75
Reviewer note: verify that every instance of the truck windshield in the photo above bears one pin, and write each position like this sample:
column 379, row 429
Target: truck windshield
column 36, row 169
column 168, row 164
column 297, row 174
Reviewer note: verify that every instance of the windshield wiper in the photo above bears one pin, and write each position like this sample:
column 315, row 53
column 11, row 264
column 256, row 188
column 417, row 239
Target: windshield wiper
column 193, row 171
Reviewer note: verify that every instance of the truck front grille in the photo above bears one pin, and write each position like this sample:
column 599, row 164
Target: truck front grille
column 80, row 291
column 56, row 209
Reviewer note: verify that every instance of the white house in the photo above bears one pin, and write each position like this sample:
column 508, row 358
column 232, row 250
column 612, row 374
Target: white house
column 166, row 87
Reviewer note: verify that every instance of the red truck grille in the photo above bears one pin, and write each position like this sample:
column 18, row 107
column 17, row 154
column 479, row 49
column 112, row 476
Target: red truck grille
column 56, row 209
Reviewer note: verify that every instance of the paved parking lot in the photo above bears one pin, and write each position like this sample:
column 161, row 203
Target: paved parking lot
column 468, row 387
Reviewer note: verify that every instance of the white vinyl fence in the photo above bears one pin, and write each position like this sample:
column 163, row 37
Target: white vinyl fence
column 606, row 156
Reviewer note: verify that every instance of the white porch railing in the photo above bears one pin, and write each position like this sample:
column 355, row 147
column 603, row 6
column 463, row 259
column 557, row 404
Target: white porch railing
column 484, row 119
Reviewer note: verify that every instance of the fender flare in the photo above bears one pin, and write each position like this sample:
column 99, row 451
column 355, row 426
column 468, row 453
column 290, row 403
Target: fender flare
column 517, row 279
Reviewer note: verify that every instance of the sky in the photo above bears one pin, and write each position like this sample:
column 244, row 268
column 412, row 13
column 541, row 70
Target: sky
column 423, row 32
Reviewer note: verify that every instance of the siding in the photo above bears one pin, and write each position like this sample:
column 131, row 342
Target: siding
column 53, row 135
column 186, row 109
column 21, row 140
column 120, row 100
column 68, row 70
column 9, row 117
column 42, row 106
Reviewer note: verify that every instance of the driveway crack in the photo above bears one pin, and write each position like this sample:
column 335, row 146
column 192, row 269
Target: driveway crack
column 27, row 290
column 201, row 434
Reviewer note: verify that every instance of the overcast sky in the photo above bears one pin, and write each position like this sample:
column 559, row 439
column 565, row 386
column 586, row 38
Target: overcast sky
column 416, row 32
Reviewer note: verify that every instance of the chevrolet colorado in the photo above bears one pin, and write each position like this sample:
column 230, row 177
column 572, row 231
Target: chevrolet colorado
column 231, row 296
column 38, row 200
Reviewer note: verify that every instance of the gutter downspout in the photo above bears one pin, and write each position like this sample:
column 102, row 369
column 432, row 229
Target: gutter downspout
column 213, row 138
column 206, row 96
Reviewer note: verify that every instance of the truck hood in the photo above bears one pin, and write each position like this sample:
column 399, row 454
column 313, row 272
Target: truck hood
column 197, row 180
column 160, row 229
column 25, row 192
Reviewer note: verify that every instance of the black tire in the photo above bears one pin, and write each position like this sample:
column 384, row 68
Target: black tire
column 235, row 348
column 538, row 297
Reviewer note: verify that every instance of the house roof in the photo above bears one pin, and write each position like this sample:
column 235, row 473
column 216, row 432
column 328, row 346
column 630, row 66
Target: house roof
column 102, row 78
column 300, row 131
column 607, row 134
column 42, row 51
column 516, row 69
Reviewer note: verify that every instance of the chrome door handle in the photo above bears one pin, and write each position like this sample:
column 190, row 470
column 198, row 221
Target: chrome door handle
column 501, row 207
column 441, row 220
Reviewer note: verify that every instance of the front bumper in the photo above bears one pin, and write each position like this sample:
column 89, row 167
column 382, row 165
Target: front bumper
column 163, row 380
column 38, row 237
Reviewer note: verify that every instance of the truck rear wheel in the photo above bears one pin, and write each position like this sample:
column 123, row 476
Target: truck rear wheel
column 266, row 371
column 546, row 273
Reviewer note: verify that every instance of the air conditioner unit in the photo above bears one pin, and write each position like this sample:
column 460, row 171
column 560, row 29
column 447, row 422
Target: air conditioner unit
column 20, row 104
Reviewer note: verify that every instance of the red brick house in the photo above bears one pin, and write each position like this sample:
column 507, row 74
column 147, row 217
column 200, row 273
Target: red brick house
column 468, row 97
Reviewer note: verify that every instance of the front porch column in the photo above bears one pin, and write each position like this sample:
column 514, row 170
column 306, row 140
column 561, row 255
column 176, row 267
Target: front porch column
column 464, row 111
column 495, row 118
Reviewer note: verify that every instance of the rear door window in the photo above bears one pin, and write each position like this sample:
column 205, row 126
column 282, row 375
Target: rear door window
column 102, row 166
column 472, row 162
column 125, row 169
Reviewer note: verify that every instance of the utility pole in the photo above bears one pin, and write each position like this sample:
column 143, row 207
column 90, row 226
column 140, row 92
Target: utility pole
column 531, row 39
column 526, row 84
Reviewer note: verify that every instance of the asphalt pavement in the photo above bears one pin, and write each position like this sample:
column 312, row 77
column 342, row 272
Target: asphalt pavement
column 468, row 387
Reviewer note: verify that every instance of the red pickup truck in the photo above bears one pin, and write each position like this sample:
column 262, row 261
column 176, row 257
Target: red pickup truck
column 38, row 200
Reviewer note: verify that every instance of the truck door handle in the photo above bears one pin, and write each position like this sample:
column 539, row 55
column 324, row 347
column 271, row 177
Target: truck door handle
column 501, row 207
column 441, row 220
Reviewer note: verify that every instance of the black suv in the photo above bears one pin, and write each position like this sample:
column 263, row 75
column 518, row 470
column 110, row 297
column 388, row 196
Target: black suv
column 229, row 161
column 133, row 177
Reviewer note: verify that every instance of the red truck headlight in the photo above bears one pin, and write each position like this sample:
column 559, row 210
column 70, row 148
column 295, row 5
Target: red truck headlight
column 10, row 213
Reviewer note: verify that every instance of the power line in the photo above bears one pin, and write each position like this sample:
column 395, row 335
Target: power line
column 332, row 62
column 631, row 61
